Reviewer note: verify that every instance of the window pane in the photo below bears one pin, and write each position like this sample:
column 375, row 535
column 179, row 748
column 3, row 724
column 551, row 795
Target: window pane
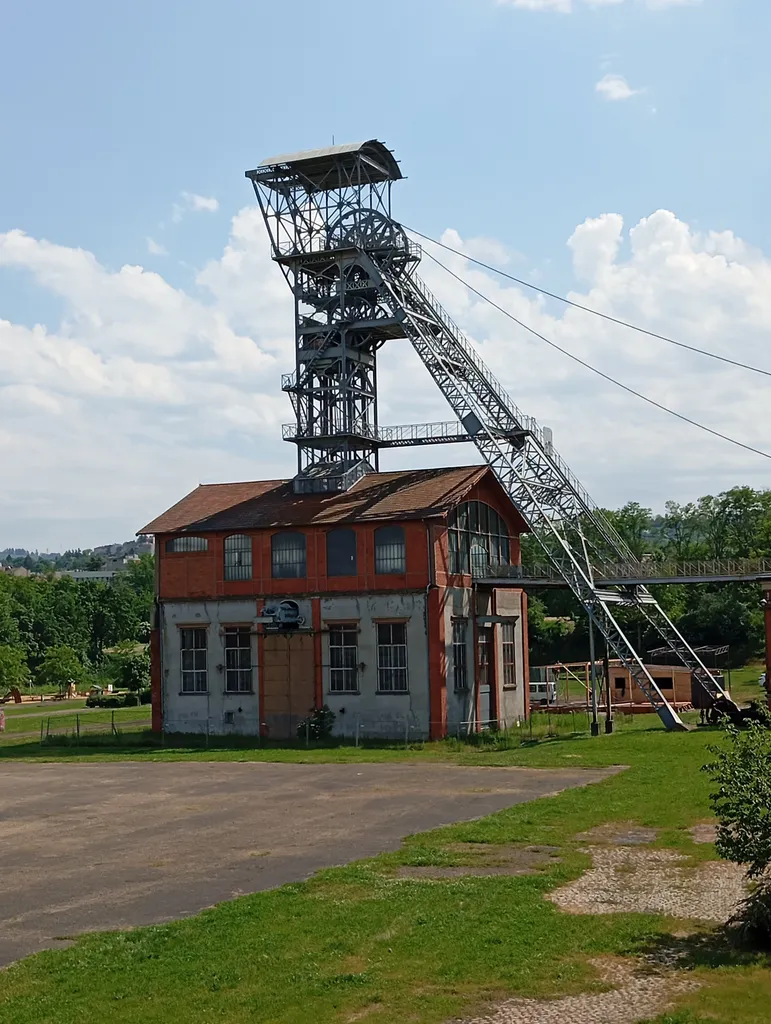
column 341, row 553
column 459, row 657
column 343, row 659
column 288, row 555
column 392, row 657
column 193, row 660
column 181, row 544
column 238, row 557
column 389, row 549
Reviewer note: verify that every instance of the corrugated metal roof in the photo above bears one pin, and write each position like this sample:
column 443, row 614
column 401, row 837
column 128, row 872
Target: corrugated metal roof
column 322, row 167
column 313, row 154
column 408, row 494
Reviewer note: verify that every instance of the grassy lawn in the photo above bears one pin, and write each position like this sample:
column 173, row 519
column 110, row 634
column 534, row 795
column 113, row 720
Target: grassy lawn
column 744, row 683
column 360, row 943
column 23, row 729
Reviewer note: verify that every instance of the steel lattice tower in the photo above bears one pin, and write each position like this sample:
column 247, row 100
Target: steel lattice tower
column 352, row 271
column 324, row 209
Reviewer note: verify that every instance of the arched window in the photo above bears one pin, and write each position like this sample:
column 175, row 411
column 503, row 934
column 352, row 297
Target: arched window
column 180, row 544
column 390, row 553
column 287, row 555
column 478, row 539
column 238, row 557
column 341, row 553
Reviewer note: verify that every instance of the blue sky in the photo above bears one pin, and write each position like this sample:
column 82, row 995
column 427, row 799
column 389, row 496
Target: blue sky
column 513, row 123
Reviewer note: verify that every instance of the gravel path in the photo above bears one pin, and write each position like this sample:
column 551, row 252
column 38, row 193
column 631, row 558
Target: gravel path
column 645, row 881
column 638, row 996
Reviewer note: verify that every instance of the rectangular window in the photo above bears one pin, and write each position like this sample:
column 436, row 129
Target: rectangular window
column 344, row 658
column 620, row 683
column 238, row 557
column 287, row 556
column 238, row 659
column 509, row 654
column 459, row 659
column 193, row 644
column 392, row 657
column 390, row 550
column 341, row 553
column 664, row 682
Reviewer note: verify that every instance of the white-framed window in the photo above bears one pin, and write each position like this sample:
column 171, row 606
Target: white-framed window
column 193, row 644
column 238, row 659
column 509, row 652
column 459, row 655
column 390, row 550
column 178, row 545
column 238, row 557
column 392, row 657
column 344, row 657
column 287, row 556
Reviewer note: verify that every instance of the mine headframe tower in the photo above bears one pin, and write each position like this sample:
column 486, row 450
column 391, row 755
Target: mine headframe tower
column 324, row 210
column 352, row 270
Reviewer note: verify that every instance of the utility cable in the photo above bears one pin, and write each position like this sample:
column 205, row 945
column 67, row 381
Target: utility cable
column 588, row 309
column 600, row 373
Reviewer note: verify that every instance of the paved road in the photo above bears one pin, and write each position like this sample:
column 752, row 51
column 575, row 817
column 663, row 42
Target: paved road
column 100, row 846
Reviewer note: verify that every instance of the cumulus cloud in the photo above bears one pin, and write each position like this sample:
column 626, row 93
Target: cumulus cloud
column 193, row 203
column 615, row 88
column 155, row 248
column 141, row 390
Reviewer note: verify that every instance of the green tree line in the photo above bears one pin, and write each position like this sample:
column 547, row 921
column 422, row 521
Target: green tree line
column 733, row 524
column 49, row 621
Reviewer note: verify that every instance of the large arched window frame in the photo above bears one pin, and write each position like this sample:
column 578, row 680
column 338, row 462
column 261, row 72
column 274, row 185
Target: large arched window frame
column 478, row 538
column 288, row 560
column 238, row 557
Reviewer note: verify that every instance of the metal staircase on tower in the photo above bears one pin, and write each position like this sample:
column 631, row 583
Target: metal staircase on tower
column 352, row 271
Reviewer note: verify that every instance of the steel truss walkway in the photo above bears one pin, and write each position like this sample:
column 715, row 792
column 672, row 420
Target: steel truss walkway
column 640, row 574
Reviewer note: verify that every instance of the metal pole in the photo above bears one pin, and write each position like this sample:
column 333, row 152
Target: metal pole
column 608, row 706
column 356, row 742
column 406, row 731
column 595, row 724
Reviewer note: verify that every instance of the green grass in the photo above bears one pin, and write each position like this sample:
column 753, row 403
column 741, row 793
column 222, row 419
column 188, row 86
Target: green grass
column 744, row 683
column 21, row 728
column 360, row 941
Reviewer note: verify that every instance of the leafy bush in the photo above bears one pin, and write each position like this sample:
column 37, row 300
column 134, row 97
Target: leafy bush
column 318, row 725
column 112, row 700
column 60, row 667
column 742, row 804
column 131, row 666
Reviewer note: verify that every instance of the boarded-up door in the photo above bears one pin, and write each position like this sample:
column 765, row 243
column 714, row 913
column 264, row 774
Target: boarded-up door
column 484, row 674
column 288, row 682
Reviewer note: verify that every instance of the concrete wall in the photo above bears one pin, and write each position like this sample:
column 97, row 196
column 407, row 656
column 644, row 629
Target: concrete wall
column 379, row 714
column 199, row 713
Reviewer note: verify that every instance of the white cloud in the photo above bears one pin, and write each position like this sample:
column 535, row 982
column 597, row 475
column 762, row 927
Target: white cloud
column 141, row 390
column 566, row 6
column 155, row 248
column 615, row 88
column 193, row 203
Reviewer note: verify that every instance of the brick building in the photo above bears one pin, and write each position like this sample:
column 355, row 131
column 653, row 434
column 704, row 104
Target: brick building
column 395, row 629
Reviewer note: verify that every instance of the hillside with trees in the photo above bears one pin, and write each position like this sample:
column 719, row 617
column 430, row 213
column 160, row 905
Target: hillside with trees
column 56, row 627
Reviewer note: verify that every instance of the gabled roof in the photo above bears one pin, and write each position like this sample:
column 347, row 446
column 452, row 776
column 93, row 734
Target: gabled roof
column 408, row 494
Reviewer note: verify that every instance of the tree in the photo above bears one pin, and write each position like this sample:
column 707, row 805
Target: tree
column 14, row 670
column 741, row 800
column 60, row 667
column 132, row 666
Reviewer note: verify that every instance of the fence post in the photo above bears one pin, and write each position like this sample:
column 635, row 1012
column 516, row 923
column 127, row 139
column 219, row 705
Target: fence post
column 112, row 724
column 406, row 731
column 48, row 727
column 77, row 730
column 41, row 732
column 307, row 732
column 356, row 741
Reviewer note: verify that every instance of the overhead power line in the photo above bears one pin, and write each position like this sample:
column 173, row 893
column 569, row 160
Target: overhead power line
column 588, row 309
column 594, row 369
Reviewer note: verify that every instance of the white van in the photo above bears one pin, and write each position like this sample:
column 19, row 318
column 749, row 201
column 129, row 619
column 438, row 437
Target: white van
column 543, row 693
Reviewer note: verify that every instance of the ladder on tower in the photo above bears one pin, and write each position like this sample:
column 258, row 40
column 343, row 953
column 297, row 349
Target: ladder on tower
column 572, row 531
